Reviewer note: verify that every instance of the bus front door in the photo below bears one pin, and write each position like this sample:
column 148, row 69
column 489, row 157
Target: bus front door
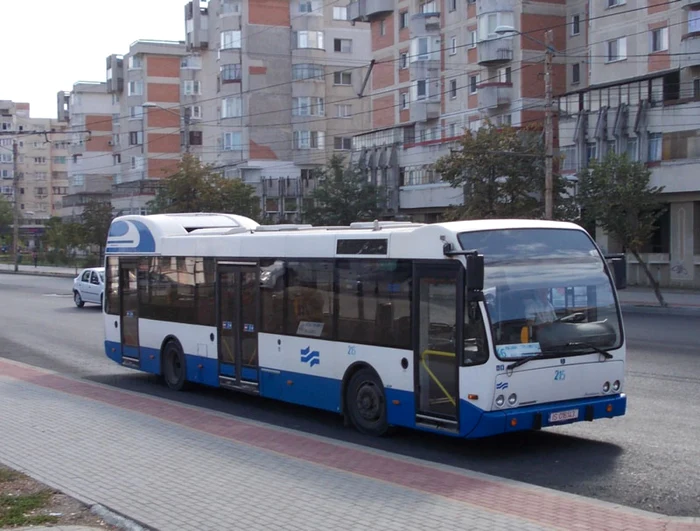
column 437, row 289
column 128, row 282
column 238, row 288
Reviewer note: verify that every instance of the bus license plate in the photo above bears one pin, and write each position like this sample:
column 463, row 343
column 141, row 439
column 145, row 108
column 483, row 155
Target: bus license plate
column 563, row 415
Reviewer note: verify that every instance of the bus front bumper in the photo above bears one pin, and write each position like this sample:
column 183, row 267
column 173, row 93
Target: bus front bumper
column 549, row 415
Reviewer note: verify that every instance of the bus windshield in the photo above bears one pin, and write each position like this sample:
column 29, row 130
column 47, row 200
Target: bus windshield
column 547, row 292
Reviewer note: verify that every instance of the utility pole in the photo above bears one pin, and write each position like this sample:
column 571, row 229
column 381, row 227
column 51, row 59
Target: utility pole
column 186, row 119
column 15, row 189
column 548, row 129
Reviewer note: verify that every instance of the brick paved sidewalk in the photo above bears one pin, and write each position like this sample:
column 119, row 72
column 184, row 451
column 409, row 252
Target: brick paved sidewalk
column 171, row 466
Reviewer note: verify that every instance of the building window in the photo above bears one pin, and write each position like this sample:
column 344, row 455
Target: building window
column 693, row 20
column 403, row 19
column 230, row 39
column 615, row 3
column 231, row 141
column 576, row 73
column 632, row 148
column 611, row 146
column 659, row 40
column 504, row 75
column 39, row 160
column 429, row 7
column 309, row 39
column 453, row 88
column 341, row 143
column 135, row 138
column 382, row 28
column 342, row 45
column 403, row 61
column 421, row 89
column 196, row 138
column 310, row 6
column 309, row 139
column 231, row 6
column 303, row 72
column 135, row 62
column 340, row 13
column 308, row 106
column 591, row 152
column 116, row 159
column 135, row 88
column 453, row 45
column 342, row 78
column 568, row 158
column 472, row 39
column 404, row 100
column 473, row 84
column 575, row 24
column 136, row 112
column 489, row 22
column 616, row 49
column 191, row 88
column 230, row 73
column 655, row 144
column 231, row 107
column 194, row 111
column 452, row 5
column 343, row 111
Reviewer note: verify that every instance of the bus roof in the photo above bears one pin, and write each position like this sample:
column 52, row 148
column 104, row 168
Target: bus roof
column 213, row 234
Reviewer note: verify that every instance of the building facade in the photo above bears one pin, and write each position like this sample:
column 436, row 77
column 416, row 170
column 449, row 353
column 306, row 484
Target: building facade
column 87, row 111
column 638, row 92
column 442, row 68
column 42, row 180
column 271, row 91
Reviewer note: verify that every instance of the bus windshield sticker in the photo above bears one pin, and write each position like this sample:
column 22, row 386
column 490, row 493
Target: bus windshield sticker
column 518, row 350
column 227, row 325
column 308, row 328
column 248, row 327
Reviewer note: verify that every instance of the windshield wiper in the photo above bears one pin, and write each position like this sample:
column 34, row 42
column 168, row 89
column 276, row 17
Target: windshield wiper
column 604, row 353
column 523, row 361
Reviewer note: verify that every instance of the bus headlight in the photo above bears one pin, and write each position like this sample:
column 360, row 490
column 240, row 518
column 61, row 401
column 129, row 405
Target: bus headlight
column 606, row 387
column 616, row 385
column 500, row 400
column 512, row 399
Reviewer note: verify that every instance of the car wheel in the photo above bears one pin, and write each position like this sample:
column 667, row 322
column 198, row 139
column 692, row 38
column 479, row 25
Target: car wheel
column 366, row 403
column 78, row 299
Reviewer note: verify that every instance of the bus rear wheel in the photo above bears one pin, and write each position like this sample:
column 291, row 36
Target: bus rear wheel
column 174, row 370
column 366, row 403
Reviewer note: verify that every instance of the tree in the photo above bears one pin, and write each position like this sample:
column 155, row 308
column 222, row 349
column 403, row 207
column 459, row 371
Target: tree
column 6, row 215
column 197, row 187
column 96, row 218
column 62, row 238
column 501, row 172
column 342, row 195
column 615, row 193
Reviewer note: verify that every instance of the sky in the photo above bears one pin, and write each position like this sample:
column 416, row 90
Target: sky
column 47, row 45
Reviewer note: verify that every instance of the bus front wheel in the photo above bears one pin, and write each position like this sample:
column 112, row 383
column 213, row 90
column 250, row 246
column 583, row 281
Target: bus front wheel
column 366, row 403
column 174, row 371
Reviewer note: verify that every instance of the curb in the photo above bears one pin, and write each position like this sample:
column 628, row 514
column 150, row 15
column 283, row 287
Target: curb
column 38, row 273
column 648, row 309
column 116, row 519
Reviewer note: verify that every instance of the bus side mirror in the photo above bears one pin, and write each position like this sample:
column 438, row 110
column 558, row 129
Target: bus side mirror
column 475, row 273
column 618, row 266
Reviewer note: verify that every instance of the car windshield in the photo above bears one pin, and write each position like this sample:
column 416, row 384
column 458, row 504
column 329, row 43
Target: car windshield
column 102, row 276
column 547, row 292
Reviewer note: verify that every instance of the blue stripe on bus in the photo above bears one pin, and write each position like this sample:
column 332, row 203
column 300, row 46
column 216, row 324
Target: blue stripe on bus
column 325, row 393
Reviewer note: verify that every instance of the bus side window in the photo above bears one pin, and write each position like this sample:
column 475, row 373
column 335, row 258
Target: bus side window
column 475, row 345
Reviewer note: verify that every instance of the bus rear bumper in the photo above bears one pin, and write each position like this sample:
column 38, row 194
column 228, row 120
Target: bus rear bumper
column 549, row 415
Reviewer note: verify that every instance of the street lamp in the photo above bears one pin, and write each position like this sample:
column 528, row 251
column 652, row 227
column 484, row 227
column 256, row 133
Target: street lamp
column 186, row 117
column 548, row 127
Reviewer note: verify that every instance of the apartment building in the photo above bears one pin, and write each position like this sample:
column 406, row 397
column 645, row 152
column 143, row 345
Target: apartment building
column 87, row 111
column 144, row 136
column 441, row 68
column 633, row 86
column 42, row 166
column 271, row 91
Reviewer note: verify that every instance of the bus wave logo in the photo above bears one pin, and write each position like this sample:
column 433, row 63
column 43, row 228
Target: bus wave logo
column 130, row 236
column 502, row 385
column 312, row 357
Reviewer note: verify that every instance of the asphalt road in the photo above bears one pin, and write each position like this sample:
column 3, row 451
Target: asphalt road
column 648, row 459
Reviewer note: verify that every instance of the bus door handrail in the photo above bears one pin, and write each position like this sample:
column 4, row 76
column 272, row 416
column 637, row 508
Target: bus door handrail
column 423, row 360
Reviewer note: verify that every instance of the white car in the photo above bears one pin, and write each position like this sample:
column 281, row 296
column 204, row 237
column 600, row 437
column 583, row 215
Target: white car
column 89, row 286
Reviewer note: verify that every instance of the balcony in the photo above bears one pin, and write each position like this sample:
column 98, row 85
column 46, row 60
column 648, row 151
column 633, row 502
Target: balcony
column 495, row 51
column 365, row 10
column 492, row 95
column 690, row 45
column 688, row 4
column 425, row 24
column 424, row 110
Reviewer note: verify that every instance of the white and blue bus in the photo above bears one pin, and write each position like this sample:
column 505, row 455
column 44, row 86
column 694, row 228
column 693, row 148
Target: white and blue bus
column 469, row 328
